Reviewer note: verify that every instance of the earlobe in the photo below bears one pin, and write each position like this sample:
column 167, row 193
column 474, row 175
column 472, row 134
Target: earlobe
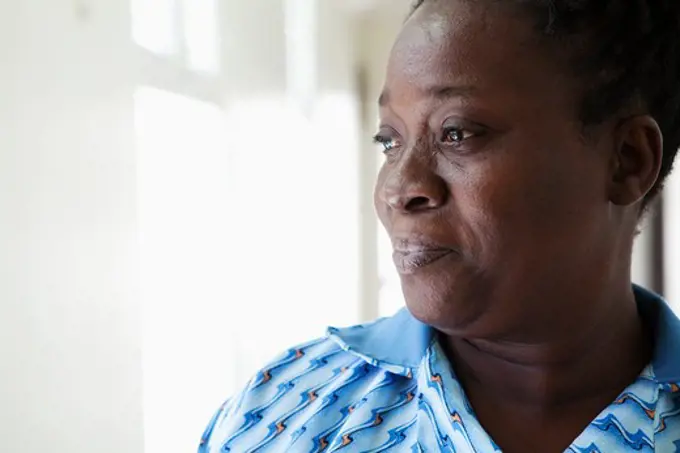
column 636, row 160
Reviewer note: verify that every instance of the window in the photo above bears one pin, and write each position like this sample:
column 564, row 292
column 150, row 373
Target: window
column 184, row 222
column 671, row 240
column 183, row 187
column 245, row 249
column 181, row 30
column 154, row 26
column 179, row 47
column 200, row 35
column 390, row 295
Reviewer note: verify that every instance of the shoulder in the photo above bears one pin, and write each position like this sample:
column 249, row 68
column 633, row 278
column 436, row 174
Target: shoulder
column 314, row 392
column 287, row 388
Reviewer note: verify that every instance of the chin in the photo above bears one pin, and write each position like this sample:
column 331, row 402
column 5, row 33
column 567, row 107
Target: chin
column 451, row 304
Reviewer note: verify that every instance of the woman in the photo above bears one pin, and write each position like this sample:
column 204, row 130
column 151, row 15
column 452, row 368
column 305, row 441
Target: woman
column 523, row 140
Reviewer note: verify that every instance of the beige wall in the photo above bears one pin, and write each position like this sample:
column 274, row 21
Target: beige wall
column 70, row 367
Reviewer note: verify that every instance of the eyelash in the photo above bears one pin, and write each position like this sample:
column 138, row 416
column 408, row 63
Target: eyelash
column 390, row 143
column 385, row 141
column 464, row 133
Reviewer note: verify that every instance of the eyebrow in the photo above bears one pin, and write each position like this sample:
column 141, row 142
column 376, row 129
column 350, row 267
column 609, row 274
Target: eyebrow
column 438, row 92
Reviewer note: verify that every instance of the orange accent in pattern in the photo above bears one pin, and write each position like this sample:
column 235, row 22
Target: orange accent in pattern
column 299, row 353
column 436, row 378
column 455, row 418
column 267, row 376
column 409, row 396
column 378, row 420
column 675, row 388
column 343, row 369
column 324, row 444
column 662, row 425
column 650, row 413
column 312, row 396
column 346, row 440
column 350, row 409
column 409, row 375
column 280, row 427
column 622, row 400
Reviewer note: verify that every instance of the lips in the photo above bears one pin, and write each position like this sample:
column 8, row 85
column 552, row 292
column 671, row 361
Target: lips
column 409, row 257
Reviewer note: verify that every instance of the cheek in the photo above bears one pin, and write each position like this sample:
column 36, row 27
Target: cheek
column 381, row 208
column 506, row 205
column 479, row 216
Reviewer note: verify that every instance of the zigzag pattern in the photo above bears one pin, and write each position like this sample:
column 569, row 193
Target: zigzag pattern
column 321, row 398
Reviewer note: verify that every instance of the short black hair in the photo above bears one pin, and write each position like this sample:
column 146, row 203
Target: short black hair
column 626, row 51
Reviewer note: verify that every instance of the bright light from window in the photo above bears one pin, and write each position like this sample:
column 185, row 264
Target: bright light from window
column 184, row 223
column 154, row 25
column 201, row 37
column 248, row 220
column 301, row 49
column 390, row 297
column 672, row 240
column 249, row 237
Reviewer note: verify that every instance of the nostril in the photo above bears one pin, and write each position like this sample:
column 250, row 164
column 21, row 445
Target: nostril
column 418, row 204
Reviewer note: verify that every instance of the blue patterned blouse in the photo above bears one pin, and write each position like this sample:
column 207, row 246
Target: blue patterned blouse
column 387, row 386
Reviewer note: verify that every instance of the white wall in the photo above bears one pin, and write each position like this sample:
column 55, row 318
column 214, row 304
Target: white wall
column 70, row 372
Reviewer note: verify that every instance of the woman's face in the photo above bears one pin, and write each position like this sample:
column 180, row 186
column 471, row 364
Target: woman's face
column 490, row 194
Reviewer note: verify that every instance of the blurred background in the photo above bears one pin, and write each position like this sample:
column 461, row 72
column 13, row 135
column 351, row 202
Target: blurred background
column 185, row 191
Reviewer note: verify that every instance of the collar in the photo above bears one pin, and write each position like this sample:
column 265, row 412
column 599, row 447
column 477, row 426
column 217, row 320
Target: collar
column 399, row 343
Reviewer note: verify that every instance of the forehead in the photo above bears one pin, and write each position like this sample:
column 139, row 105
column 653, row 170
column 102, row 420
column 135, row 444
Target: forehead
column 491, row 48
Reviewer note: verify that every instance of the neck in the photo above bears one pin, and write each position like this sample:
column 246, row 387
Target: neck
column 592, row 363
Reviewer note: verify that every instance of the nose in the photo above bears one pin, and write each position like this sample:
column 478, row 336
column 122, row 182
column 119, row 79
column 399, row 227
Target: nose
column 413, row 186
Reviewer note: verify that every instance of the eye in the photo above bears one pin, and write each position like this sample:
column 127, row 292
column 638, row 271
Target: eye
column 387, row 143
column 456, row 135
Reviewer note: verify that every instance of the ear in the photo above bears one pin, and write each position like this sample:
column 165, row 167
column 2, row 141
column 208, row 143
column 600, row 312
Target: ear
column 636, row 160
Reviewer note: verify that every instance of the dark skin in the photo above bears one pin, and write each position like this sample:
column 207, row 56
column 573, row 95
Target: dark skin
column 512, row 225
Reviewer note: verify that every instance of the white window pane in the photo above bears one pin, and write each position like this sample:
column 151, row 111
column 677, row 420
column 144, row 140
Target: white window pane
column 301, row 47
column 672, row 239
column 201, row 35
column 154, row 25
column 390, row 296
column 184, row 222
